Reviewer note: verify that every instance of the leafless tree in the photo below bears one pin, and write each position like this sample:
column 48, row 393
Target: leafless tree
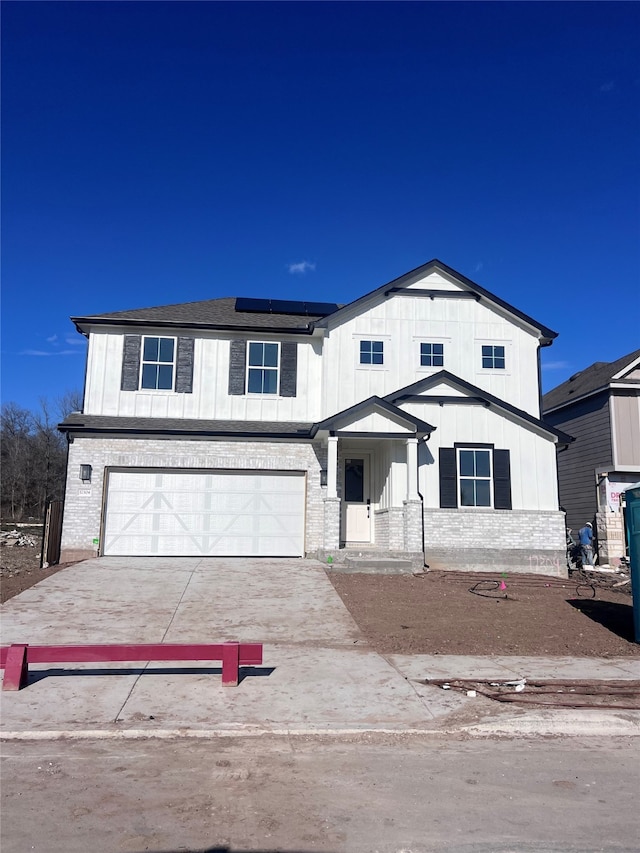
column 33, row 455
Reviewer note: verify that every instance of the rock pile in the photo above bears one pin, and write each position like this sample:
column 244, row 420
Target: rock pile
column 14, row 537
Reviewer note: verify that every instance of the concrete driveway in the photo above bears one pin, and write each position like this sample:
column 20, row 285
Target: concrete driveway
column 318, row 675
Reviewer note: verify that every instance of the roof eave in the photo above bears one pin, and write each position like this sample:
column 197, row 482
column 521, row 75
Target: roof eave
column 170, row 324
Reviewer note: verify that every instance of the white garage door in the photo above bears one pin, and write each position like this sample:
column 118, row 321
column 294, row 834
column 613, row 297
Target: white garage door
column 204, row 513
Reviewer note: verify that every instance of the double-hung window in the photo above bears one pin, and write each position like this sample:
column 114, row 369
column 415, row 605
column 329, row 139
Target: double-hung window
column 474, row 477
column 371, row 352
column 431, row 355
column 477, row 476
column 493, row 357
column 262, row 368
column 158, row 360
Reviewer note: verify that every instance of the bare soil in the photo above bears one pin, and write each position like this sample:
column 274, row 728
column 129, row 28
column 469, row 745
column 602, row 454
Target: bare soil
column 454, row 613
column 20, row 569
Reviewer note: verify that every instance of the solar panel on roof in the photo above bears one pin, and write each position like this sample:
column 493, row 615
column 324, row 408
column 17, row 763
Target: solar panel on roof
column 322, row 308
column 256, row 305
column 284, row 306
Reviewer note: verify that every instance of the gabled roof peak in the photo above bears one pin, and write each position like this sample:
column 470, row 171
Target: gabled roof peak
column 546, row 334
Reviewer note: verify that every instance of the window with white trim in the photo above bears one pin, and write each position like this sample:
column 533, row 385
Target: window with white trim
column 262, row 367
column 474, row 477
column 493, row 357
column 371, row 352
column 158, row 363
column 431, row 355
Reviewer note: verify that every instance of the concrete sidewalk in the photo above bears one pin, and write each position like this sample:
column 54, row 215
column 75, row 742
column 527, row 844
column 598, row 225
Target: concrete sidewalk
column 319, row 675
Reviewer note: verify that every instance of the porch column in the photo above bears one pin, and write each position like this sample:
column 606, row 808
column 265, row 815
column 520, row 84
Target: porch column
column 332, row 466
column 412, row 469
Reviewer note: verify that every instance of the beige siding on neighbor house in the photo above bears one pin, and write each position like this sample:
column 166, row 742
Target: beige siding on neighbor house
column 625, row 417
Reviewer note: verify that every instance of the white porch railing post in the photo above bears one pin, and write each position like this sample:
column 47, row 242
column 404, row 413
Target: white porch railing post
column 332, row 466
column 412, row 469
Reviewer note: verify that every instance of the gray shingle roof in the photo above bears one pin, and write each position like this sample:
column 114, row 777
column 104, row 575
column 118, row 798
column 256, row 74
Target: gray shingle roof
column 176, row 426
column 586, row 382
column 212, row 313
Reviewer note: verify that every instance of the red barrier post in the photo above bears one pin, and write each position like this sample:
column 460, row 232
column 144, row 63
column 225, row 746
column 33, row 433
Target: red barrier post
column 230, row 663
column 16, row 668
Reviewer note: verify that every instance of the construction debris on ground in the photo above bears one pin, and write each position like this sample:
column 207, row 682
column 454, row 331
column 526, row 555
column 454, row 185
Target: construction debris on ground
column 14, row 537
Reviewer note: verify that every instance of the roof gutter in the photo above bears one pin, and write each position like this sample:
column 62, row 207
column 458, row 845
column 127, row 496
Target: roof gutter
column 169, row 324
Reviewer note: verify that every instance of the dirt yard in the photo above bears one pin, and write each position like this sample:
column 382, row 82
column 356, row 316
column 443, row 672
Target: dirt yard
column 451, row 613
column 20, row 565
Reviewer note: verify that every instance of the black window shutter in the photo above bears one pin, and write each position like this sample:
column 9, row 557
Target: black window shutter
column 131, row 363
column 288, row 368
column 184, row 366
column 237, row 366
column 448, row 478
column 501, row 479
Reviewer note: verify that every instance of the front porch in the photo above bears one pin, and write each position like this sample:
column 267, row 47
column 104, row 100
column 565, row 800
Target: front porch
column 372, row 509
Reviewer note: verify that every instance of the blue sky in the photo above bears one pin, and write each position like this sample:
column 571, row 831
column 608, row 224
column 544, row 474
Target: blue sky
column 166, row 152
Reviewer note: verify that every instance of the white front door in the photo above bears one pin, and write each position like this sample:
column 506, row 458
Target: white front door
column 356, row 499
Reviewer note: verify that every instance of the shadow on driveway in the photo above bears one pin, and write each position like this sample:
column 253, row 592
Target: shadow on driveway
column 245, row 671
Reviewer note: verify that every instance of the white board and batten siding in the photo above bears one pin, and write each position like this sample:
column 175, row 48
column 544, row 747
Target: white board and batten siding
column 533, row 455
column 210, row 513
column 209, row 399
column 402, row 322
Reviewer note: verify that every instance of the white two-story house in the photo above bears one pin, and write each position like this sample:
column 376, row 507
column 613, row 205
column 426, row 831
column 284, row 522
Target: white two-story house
column 404, row 425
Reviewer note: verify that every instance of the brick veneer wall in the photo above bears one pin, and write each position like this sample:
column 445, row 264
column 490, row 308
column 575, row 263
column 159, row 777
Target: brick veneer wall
column 496, row 540
column 610, row 537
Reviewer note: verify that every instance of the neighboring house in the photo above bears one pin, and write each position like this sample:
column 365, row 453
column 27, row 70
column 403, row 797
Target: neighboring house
column 600, row 407
column 403, row 425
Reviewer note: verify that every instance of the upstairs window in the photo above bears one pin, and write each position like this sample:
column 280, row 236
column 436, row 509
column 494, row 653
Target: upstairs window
column 262, row 367
column 474, row 476
column 371, row 352
column 493, row 357
column 432, row 355
column 158, row 358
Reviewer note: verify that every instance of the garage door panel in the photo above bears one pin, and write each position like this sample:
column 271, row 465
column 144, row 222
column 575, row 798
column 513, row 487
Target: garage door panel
column 206, row 514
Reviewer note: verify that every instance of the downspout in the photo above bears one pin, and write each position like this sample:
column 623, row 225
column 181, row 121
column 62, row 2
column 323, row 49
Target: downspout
column 420, row 495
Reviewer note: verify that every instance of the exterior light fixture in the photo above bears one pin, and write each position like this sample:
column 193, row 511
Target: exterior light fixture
column 323, row 476
column 85, row 473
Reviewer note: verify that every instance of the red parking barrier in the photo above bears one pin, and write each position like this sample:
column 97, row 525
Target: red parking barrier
column 15, row 659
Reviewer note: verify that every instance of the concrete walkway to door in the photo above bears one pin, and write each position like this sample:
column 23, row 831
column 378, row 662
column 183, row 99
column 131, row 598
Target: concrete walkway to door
column 319, row 674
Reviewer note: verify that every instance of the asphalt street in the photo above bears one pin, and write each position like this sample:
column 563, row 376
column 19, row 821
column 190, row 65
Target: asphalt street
column 399, row 794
